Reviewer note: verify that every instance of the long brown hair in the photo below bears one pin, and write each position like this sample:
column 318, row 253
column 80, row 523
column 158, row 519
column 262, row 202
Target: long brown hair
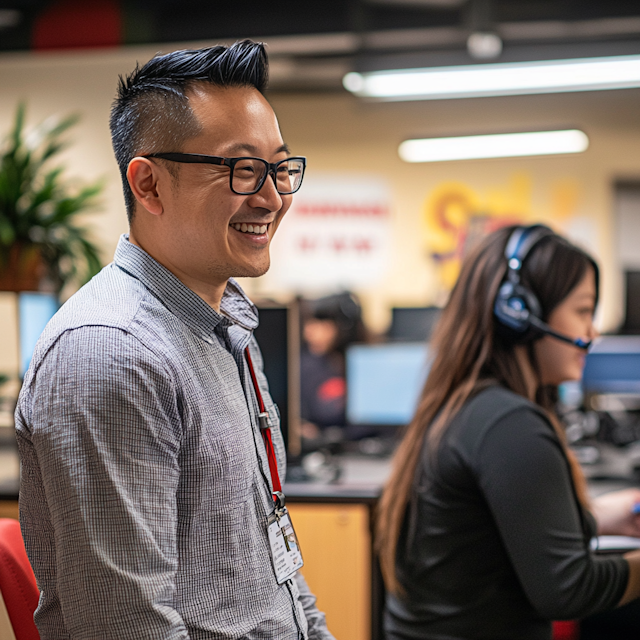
column 470, row 353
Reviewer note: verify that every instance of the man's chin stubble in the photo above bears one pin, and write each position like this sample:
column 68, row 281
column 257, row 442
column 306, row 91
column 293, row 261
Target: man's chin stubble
column 249, row 271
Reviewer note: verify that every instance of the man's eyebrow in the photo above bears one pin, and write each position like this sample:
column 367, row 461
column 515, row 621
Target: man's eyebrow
column 250, row 148
column 242, row 146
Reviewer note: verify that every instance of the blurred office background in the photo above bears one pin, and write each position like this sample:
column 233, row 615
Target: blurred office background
column 390, row 231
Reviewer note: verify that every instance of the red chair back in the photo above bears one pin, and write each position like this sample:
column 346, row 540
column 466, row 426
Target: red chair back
column 566, row 630
column 17, row 582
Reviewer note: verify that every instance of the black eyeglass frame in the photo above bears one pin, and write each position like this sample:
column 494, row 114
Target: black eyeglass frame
column 197, row 158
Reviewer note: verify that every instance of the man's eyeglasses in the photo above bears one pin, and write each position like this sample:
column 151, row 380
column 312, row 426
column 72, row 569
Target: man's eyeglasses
column 247, row 175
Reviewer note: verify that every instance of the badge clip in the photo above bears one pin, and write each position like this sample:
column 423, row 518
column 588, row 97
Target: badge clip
column 263, row 420
column 279, row 500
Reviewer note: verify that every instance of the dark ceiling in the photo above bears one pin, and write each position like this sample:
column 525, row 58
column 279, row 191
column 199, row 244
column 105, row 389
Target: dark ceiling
column 313, row 43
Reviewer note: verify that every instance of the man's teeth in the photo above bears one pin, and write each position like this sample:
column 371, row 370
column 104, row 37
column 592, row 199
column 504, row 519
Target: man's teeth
column 251, row 228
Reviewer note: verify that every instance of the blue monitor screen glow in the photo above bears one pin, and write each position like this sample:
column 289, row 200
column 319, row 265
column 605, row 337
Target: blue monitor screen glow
column 35, row 310
column 613, row 366
column 384, row 382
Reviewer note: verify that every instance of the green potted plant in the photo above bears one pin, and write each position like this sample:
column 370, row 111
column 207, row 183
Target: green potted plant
column 42, row 245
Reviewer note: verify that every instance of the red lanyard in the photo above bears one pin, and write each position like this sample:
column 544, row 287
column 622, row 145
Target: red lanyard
column 265, row 430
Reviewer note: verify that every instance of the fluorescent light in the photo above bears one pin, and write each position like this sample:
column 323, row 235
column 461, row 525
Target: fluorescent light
column 501, row 145
column 502, row 79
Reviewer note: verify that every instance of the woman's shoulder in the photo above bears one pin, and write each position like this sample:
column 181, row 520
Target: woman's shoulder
column 496, row 401
column 490, row 407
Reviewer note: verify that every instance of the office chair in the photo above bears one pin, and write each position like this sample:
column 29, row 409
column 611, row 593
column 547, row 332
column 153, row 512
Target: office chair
column 17, row 582
column 566, row 630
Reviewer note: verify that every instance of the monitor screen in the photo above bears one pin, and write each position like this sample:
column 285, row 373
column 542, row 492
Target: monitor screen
column 272, row 338
column 413, row 324
column 613, row 366
column 35, row 310
column 632, row 314
column 384, row 382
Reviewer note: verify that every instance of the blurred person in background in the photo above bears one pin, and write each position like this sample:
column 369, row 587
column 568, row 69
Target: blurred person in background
column 484, row 527
column 330, row 324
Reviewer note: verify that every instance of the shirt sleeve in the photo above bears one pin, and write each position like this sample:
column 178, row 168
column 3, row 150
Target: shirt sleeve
column 105, row 427
column 526, row 481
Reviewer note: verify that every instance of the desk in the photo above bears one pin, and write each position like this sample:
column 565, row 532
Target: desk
column 334, row 525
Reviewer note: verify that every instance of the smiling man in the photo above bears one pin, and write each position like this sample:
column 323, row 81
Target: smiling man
column 151, row 451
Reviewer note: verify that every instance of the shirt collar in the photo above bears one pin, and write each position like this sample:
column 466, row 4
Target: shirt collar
column 235, row 307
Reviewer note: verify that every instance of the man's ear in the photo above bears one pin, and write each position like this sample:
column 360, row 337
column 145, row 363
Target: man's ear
column 143, row 176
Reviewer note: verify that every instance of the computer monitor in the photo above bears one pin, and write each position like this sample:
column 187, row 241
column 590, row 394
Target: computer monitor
column 413, row 324
column 613, row 366
column 278, row 338
column 34, row 311
column 384, row 382
column 632, row 305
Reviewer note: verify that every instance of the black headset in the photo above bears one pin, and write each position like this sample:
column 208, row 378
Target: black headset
column 516, row 307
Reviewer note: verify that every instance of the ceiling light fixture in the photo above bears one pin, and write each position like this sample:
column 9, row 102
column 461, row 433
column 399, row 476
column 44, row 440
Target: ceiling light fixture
column 484, row 46
column 501, row 79
column 501, row 145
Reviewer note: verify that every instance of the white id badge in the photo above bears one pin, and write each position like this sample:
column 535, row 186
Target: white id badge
column 285, row 551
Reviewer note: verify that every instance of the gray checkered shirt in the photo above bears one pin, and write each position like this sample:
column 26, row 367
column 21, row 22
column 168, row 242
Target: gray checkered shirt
column 145, row 485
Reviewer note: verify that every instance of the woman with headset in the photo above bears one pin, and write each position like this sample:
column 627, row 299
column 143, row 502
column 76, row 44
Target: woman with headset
column 484, row 527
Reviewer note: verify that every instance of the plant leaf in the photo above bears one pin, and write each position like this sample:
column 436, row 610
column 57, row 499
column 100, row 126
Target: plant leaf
column 37, row 206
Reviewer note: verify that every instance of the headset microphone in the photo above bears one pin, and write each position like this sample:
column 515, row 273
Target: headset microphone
column 545, row 328
column 516, row 307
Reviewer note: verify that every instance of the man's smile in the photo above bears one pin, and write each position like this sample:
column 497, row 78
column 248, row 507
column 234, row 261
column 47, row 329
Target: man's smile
column 249, row 227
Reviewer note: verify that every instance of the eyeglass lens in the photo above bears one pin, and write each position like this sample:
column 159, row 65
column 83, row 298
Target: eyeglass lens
column 249, row 173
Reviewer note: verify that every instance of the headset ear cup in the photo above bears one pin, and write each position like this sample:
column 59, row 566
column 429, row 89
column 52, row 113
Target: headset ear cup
column 514, row 304
column 531, row 300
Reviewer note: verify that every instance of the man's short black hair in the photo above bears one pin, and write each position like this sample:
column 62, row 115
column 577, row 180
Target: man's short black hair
column 151, row 113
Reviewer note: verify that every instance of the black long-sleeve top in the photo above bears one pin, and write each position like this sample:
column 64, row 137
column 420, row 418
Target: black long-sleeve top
column 494, row 544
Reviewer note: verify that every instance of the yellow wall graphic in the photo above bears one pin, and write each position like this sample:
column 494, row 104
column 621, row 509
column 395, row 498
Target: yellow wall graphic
column 456, row 216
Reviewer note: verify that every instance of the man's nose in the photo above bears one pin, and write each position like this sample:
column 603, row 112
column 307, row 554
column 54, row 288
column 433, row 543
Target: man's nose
column 269, row 193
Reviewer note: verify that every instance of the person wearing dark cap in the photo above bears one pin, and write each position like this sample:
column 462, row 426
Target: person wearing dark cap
column 152, row 460
column 331, row 324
